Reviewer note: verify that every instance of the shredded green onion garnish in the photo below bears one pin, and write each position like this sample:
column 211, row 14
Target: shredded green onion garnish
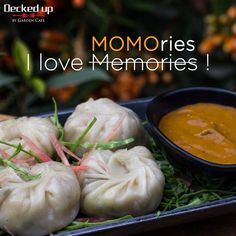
column 17, row 151
column 84, row 133
column 109, row 145
column 21, row 149
column 78, row 225
column 56, row 122
column 8, row 162
column 103, row 146
column 22, row 173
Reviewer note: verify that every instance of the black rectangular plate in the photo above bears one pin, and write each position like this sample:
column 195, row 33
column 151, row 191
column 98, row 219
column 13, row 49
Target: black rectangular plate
column 152, row 221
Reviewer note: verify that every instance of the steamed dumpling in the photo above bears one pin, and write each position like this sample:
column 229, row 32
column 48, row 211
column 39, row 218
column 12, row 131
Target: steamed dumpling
column 114, row 122
column 121, row 183
column 37, row 129
column 41, row 206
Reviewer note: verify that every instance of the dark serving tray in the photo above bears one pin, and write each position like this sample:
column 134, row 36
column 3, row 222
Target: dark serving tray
column 152, row 221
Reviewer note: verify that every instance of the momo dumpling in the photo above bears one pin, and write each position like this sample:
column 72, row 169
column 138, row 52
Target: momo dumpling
column 40, row 206
column 36, row 129
column 114, row 122
column 120, row 183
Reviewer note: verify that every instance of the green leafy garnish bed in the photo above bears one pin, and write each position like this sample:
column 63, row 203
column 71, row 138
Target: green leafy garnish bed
column 181, row 191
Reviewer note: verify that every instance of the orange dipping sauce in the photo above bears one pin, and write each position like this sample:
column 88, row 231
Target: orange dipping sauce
column 205, row 130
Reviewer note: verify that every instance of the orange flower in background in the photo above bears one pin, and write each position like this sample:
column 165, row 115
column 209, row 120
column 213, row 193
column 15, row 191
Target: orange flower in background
column 153, row 77
column 78, row 3
column 53, row 41
column 128, row 85
column 8, row 62
column 62, row 95
column 232, row 12
column 54, row 35
column 55, row 3
column 230, row 45
column 206, row 46
column 234, row 28
column 125, row 87
column 221, row 31
column 209, row 43
column 167, row 77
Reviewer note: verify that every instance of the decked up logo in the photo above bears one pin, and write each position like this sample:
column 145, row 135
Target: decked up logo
column 24, row 13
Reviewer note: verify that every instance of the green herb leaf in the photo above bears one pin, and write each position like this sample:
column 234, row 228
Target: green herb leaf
column 78, row 78
column 38, row 86
column 6, row 80
column 23, row 59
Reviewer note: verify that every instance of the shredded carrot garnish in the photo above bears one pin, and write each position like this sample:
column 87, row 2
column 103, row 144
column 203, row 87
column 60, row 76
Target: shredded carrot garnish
column 43, row 156
column 89, row 157
column 4, row 154
column 79, row 168
column 59, row 149
column 30, row 161
column 115, row 129
column 99, row 162
column 66, row 150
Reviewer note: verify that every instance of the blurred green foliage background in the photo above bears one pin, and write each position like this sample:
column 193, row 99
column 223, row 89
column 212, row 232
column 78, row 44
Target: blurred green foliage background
column 67, row 33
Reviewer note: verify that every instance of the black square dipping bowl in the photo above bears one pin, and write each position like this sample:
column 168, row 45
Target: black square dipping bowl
column 170, row 101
